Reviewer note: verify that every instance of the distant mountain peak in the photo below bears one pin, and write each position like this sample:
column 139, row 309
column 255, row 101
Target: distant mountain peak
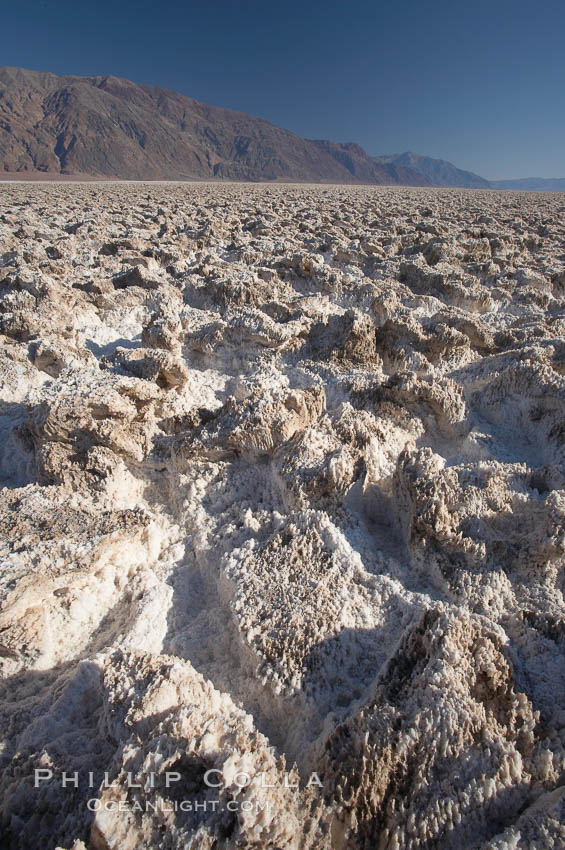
column 438, row 171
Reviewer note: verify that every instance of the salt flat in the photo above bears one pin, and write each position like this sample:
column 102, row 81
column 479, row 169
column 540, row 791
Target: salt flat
column 283, row 497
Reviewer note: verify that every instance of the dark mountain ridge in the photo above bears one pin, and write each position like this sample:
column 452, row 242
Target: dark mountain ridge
column 110, row 127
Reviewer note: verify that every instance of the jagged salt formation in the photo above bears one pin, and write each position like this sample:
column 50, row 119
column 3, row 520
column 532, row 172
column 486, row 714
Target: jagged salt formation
column 283, row 496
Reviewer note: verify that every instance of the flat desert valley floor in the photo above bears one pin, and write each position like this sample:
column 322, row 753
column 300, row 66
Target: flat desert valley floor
column 283, row 499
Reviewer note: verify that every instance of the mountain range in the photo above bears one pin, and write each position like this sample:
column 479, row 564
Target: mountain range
column 109, row 127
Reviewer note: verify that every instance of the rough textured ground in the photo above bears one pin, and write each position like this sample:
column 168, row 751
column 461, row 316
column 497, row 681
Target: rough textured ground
column 284, row 493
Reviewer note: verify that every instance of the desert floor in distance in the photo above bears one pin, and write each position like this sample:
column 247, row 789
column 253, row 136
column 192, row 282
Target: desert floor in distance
column 283, row 517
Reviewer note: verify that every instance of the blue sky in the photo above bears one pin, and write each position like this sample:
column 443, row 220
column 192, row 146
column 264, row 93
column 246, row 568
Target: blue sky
column 479, row 83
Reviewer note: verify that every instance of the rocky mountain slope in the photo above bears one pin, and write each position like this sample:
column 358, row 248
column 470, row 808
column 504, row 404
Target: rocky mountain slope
column 105, row 126
column 437, row 172
column 110, row 127
column 283, row 499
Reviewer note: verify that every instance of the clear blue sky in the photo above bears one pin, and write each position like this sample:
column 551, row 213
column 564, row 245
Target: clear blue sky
column 479, row 83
